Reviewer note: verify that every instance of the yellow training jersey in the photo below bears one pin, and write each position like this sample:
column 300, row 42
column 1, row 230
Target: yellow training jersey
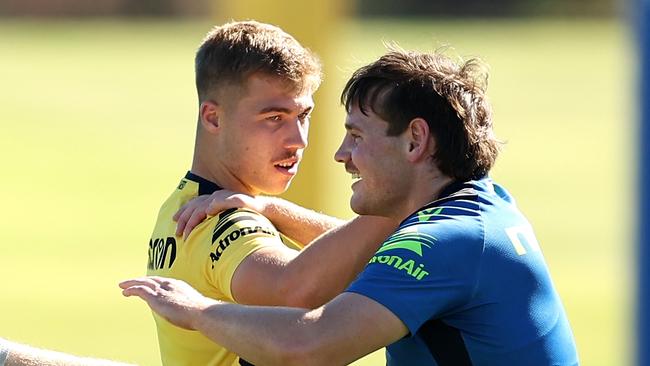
column 206, row 260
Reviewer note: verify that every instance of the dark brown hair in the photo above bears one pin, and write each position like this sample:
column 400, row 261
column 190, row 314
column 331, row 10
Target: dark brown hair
column 230, row 53
column 403, row 85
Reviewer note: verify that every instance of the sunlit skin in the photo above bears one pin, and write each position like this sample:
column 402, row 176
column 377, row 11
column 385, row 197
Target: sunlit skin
column 251, row 139
column 383, row 180
column 394, row 176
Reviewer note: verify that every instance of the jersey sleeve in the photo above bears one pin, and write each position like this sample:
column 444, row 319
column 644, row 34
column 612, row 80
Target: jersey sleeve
column 291, row 242
column 237, row 234
column 423, row 271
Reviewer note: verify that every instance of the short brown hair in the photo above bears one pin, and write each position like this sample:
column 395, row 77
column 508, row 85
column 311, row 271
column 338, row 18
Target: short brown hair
column 230, row 53
column 403, row 85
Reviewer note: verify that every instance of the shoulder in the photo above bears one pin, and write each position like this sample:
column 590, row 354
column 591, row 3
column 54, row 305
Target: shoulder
column 450, row 218
column 441, row 232
column 463, row 210
column 236, row 223
column 240, row 216
column 462, row 203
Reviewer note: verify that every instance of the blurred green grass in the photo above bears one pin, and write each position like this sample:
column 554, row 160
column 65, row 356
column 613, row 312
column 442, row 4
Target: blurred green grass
column 97, row 124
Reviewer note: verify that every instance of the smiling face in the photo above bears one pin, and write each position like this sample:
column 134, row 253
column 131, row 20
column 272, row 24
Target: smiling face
column 378, row 164
column 261, row 135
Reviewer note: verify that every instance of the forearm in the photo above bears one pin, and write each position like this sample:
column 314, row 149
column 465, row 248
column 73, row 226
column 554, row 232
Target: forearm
column 331, row 262
column 337, row 333
column 260, row 335
column 298, row 222
column 23, row 355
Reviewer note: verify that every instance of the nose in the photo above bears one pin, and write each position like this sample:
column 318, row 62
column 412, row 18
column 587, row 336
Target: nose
column 342, row 155
column 297, row 137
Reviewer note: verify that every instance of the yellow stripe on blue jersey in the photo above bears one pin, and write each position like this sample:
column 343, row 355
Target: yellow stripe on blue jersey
column 207, row 260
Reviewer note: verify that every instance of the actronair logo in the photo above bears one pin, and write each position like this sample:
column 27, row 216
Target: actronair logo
column 232, row 236
column 409, row 240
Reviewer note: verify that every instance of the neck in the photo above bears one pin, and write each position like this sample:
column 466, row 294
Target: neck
column 423, row 192
column 206, row 165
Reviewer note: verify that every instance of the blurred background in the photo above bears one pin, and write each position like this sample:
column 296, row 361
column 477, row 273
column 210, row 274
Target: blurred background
column 97, row 123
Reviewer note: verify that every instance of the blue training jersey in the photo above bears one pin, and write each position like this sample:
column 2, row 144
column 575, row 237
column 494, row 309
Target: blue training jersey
column 466, row 275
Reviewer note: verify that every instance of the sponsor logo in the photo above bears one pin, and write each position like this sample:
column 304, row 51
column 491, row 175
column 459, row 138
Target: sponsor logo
column 234, row 235
column 161, row 251
column 427, row 214
column 404, row 243
column 418, row 272
column 182, row 184
column 410, row 240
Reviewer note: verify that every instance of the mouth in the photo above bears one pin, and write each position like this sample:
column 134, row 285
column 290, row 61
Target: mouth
column 288, row 166
column 356, row 177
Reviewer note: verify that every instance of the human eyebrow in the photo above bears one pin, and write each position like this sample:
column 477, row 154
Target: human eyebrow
column 275, row 109
column 279, row 109
column 307, row 110
column 351, row 126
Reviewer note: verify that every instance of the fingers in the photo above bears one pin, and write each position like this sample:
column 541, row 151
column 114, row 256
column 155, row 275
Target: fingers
column 193, row 213
column 151, row 282
column 143, row 292
column 217, row 202
column 183, row 217
column 213, row 208
column 196, row 218
column 231, row 200
column 144, row 287
column 178, row 213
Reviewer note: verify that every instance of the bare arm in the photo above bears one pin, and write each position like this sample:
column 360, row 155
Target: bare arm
column 23, row 355
column 280, row 276
column 297, row 222
column 337, row 333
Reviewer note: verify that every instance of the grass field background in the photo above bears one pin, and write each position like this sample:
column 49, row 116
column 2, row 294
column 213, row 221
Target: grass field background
column 97, row 125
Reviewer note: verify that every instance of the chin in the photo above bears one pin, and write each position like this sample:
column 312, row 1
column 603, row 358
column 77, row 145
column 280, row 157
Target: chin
column 358, row 206
column 378, row 207
column 275, row 190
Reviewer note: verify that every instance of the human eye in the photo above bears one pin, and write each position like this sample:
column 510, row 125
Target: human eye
column 304, row 117
column 274, row 118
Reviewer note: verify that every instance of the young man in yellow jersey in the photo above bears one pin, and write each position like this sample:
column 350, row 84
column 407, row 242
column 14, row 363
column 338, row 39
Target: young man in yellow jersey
column 255, row 85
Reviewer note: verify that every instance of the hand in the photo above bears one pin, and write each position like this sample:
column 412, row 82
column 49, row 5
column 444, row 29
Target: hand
column 196, row 210
column 191, row 214
column 172, row 299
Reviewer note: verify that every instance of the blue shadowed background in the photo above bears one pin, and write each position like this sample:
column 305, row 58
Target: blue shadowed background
column 643, row 324
column 97, row 119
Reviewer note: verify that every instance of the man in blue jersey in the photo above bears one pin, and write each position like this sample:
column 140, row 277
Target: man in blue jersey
column 462, row 281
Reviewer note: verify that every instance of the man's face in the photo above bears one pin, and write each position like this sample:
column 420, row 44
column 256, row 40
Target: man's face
column 377, row 163
column 263, row 134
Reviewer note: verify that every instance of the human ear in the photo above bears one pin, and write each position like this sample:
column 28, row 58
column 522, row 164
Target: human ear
column 418, row 140
column 209, row 113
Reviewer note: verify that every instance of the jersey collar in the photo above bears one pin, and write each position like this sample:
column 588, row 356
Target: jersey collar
column 205, row 186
